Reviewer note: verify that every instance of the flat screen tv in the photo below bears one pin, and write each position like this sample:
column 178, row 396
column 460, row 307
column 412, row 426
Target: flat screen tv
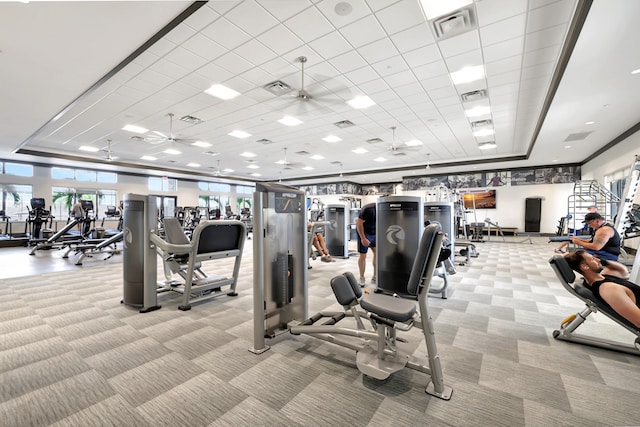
column 480, row 200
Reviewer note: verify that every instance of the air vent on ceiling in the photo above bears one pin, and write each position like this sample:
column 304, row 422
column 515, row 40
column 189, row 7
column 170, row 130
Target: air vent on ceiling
column 336, row 163
column 278, row 87
column 264, row 141
column 474, row 95
column 191, row 119
column 303, row 153
column 579, row 136
column 211, row 153
column 344, row 124
column 374, row 140
column 137, row 138
column 398, row 153
column 455, row 23
column 481, row 123
column 171, row 161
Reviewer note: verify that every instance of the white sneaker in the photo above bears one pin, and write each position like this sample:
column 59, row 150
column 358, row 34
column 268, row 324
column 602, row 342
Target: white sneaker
column 362, row 282
column 374, row 280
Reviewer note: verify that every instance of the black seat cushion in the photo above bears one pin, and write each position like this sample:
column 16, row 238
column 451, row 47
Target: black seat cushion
column 397, row 309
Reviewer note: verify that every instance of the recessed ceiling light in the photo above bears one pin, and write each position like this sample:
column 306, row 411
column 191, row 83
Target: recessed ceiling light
column 332, row 138
column 222, row 92
column 317, row 157
column 193, row 165
column 247, row 154
column 290, row 121
column 239, row 134
column 636, row 71
column 135, row 129
column 468, row 75
column 487, row 145
column 413, row 143
column 567, row 146
column 252, row 166
column 150, row 158
column 554, row 160
column 227, row 170
column 480, row 110
column 255, row 174
column 360, row 150
column 172, row 151
column 589, row 123
column 379, row 159
column 360, row 102
column 89, row 149
column 202, row 144
column 307, row 168
column 483, row 132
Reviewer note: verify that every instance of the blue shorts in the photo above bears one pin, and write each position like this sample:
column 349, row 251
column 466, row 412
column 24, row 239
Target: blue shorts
column 603, row 255
column 371, row 238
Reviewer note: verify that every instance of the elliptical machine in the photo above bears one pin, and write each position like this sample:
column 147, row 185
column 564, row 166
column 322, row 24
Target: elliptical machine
column 39, row 216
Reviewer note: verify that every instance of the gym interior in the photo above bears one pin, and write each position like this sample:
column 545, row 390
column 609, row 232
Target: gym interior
column 174, row 295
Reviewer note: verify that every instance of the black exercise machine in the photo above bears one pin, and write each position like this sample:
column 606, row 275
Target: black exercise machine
column 567, row 327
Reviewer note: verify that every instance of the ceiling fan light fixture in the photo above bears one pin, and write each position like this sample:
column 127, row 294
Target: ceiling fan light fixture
column 222, row 92
column 360, row 102
column 135, row 129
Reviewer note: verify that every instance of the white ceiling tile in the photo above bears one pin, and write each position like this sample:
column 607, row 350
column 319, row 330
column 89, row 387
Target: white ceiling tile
column 280, row 39
column 373, row 88
column 233, row 63
column 413, row 38
column 251, row 17
column 284, row 9
column 214, row 72
column 544, row 38
column 503, row 50
column 180, row 34
column 401, row 15
column 279, row 68
column 255, row 52
column 436, row 82
column 225, row 33
column 503, row 30
column 362, row 75
column 204, row 17
column 161, row 47
column 401, row 78
column 170, row 69
column 550, row 15
column 490, row 11
column 431, row 70
column 541, row 56
column 328, row 9
column 409, row 90
column 204, row 46
column 504, row 78
column 538, row 71
column 466, row 59
column 330, row 45
column 144, row 60
column 185, row 58
column 309, row 25
column 506, row 89
column 390, row 66
column 502, row 66
column 363, row 32
column 423, row 55
column 378, row 51
column 223, row 6
column 469, row 41
column 348, row 62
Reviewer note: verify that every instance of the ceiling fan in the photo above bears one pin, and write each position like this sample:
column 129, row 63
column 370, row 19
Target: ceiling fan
column 398, row 150
column 287, row 165
column 109, row 157
column 160, row 137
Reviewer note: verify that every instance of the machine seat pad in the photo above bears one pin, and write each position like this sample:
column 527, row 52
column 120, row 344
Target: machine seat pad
column 396, row 309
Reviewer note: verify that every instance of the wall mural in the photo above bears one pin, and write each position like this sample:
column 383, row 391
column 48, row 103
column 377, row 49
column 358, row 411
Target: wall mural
column 546, row 175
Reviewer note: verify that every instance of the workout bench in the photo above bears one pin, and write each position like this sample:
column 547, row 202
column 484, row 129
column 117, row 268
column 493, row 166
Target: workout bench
column 570, row 324
column 210, row 240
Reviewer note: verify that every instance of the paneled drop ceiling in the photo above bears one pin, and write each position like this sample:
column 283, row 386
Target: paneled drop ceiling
column 553, row 84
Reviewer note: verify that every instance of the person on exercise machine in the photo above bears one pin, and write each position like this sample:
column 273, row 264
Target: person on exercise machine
column 606, row 240
column 607, row 281
column 583, row 231
column 320, row 245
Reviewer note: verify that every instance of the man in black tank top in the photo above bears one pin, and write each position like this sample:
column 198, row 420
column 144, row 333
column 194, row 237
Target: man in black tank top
column 607, row 281
column 606, row 240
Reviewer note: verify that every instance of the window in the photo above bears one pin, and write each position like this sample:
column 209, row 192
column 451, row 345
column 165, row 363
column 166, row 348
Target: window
column 18, row 169
column 62, row 173
column 16, row 200
column 163, row 184
column 85, row 175
column 107, row 177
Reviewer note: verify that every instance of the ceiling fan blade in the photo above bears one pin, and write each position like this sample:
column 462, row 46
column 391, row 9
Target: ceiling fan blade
column 159, row 134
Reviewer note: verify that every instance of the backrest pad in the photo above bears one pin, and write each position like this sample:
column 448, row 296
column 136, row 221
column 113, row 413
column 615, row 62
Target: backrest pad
column 427, row 255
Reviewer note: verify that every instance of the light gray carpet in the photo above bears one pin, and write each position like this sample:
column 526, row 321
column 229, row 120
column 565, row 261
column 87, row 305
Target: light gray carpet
column 72, row 355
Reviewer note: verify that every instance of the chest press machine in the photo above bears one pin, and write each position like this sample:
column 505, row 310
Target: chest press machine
column 567, row 327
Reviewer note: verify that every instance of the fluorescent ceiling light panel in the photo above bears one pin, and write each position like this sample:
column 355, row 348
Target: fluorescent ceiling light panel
column 135, row 129
column 201, row 144
column 227, row 170
column 487, row 145
column 222, row 92
column 307, row 168
column 255, row 174
column 360, row 102
column 379, row 159
column 193, row 165
column 413, row 143
column 150, row 158
column 332, row 138
column 317, row 157
column 360, row 150
column 468, row 75
column 435, row 8
column 239, row 134
column 89, row 149
column 290, row 121
column 481, row 110
column 253, row 167
column 636, row 71
column 589, row 123
column 483, row 132
column 247, row 154
column 172, row 151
